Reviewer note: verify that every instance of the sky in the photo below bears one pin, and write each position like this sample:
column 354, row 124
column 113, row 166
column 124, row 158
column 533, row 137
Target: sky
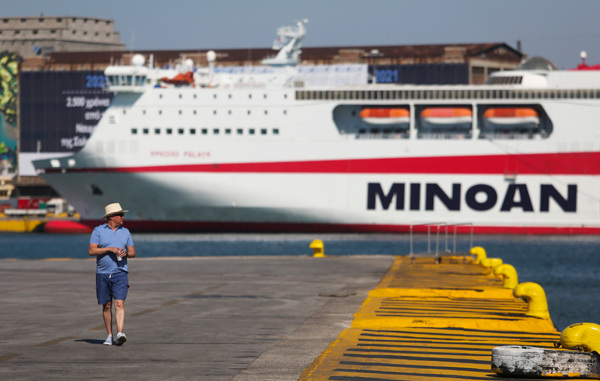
column 555, row 29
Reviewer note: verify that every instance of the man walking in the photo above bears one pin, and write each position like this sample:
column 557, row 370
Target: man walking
column 112, row 244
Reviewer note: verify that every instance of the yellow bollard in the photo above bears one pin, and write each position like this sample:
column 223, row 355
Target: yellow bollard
column 479, row 252
column 535, row 296
column 583, row 336
column 508, row 272
column 490, row 264
column 317, row 246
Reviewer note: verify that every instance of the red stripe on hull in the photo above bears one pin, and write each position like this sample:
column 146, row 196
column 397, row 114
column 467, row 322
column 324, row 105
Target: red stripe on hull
column 582, row 163
column 273, row 227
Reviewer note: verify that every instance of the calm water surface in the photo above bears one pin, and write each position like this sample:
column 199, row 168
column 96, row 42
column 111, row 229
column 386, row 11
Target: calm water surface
column 568, row 268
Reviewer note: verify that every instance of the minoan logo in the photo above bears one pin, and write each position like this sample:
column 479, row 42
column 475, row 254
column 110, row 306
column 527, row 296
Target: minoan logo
column 516, row 196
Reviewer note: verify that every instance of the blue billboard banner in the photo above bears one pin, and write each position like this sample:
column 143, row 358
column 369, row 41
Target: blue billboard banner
column 59, row 111
column 421, row 74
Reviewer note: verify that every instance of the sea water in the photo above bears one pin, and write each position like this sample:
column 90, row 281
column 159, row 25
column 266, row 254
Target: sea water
column 567, row 267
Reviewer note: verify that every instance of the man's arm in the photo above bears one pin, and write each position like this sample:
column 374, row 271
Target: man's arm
column 131, row 251
column 95, row 250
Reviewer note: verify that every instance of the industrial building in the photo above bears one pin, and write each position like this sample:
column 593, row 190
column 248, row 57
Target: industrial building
column 37, row 36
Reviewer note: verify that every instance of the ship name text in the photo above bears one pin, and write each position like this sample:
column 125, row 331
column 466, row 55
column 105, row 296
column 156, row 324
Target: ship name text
column 478, row 197
column 190, row 154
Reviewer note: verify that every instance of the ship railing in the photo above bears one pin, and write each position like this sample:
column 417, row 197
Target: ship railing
column 445, row 228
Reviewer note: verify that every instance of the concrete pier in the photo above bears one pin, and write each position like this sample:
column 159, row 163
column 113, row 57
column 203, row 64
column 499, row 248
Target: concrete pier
column 427, row 321
column 240, row 318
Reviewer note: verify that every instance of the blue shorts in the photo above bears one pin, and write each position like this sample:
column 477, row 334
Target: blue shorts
column 111, row 286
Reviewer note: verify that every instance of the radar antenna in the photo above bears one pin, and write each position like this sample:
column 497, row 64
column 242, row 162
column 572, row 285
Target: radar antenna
column 288, row 42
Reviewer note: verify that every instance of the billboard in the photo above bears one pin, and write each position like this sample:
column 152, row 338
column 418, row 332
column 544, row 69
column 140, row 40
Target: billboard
column 422, row 74
column 9, row 85
column 59, row 111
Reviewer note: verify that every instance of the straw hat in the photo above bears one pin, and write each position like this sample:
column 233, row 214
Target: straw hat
column 111, row 209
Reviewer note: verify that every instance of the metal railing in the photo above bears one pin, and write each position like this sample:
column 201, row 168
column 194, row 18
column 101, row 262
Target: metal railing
column 437, row 255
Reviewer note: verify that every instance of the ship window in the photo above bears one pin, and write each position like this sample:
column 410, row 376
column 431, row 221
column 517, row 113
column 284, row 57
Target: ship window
column 228, row 131
column 169, row 131
column 146, row 131
column 276, row 131
column 215, row 131
column 284, row 112
column 192, row 131
column 214, row 112
column 265, row 96
column 159, row 112
column 266, row 112
column 180, row 131
column 134, row 131
column 249, row 112
column 229, row 112
column 240, row 131
column 157, row 131
column 180, row 96
column 180, row 112
column 204, row 131
column 214, row 96
column 251, row 131
column 229, row 96
column 195, row 112
column 284, row 96
column 263, row 131
column 160, row 96
column 124, row 112
column 144, row 112
column 249, row 96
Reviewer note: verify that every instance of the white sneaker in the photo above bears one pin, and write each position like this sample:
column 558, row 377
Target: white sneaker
column 108, row 340
column 121, row 338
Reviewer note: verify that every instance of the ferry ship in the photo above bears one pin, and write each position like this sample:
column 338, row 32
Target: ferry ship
column 201, row 149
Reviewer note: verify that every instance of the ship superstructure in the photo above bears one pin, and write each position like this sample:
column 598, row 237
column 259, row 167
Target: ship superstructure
column 192, row 149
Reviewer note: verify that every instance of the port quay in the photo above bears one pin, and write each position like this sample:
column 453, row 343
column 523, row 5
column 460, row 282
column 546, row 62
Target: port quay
column 413, row 317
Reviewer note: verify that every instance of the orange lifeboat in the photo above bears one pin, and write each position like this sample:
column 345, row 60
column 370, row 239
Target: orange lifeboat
column 511, row 117
column 180, row 79
column 385, row 116
column 447, row 117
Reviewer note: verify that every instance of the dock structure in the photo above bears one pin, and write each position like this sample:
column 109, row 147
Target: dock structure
column 432, row 321
column 263, row 318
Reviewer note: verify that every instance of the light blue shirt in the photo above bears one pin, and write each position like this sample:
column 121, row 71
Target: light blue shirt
column 104, row 236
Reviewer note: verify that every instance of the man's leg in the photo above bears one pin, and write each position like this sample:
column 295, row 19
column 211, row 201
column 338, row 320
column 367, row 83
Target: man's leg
column 107, row 315
column 120, row 314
